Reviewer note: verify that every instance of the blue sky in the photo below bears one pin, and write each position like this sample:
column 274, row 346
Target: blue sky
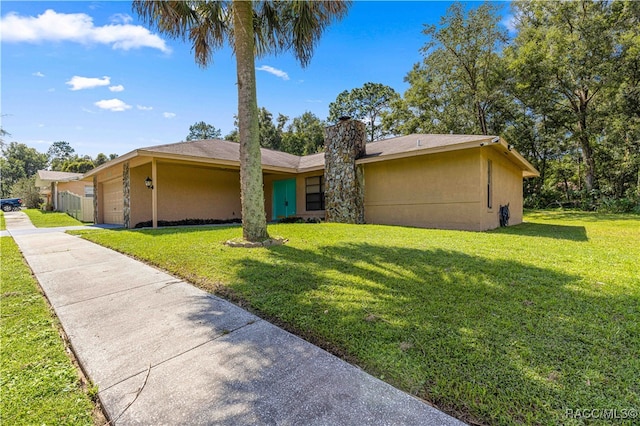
column 91, row 74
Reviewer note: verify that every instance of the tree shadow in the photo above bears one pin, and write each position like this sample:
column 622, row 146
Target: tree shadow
column 560, row 232
column 458, row 330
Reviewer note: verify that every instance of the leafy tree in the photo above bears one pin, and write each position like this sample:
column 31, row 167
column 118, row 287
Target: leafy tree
column 569, row 55
column 25, row 188
column 270, row 135
column 304, row 136
column 18, row 161
column 252, row 29
column 78, row 165
column 100, row 159
column 203, row 131
column 367, row 103
column 232, row 136
column 58, row 153
column 458, row 87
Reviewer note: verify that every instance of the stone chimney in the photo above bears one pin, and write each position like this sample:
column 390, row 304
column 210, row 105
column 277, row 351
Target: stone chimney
column 344, row 143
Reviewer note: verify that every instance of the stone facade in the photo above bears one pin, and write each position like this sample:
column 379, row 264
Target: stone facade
column 344, row 180
column 95, row 199
column 126, row 193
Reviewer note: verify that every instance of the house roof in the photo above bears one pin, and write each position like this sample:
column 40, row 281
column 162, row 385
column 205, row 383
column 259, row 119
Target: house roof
column 54, row 176
column 228, row 153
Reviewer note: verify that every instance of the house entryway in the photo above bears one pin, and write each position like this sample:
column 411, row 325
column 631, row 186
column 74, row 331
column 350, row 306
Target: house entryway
column 284, row 198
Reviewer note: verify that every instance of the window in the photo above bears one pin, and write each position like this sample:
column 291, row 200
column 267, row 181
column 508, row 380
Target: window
column 489, row 184
column 314, row 189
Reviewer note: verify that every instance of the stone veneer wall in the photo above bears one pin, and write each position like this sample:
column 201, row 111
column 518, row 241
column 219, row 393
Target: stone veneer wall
column 126, row 193
column 95, row 199
column 343, row 179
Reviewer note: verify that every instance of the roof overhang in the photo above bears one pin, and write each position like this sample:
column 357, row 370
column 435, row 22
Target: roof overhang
column 495, row 143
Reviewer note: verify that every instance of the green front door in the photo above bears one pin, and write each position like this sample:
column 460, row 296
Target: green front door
column 284, row 198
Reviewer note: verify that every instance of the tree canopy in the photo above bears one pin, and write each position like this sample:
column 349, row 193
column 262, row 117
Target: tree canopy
column 367, row 103
column 203, row 131
column 565, row 90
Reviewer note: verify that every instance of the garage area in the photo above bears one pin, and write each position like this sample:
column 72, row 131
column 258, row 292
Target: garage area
column 113, row 202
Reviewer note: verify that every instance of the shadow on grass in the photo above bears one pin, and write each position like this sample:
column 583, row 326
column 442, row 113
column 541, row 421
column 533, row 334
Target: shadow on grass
column 560, row 232
column 584, row 216
column 487, row 340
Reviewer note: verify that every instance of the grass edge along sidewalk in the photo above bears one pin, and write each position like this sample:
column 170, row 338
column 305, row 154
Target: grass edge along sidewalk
column 45, row 219
column 525, row 324
column 39, row 383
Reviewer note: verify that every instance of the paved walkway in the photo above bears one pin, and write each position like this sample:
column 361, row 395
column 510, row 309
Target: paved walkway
column 164, row 352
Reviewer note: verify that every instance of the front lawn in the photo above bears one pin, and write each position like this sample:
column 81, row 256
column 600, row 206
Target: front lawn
column 517, row 325
column 44, row 219
column 38, row 383
column 2, row 223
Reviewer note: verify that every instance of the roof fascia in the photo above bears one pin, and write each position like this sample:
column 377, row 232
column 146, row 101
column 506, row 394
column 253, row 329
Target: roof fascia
column 212, row 161
column 415, row 153
column 108, row 164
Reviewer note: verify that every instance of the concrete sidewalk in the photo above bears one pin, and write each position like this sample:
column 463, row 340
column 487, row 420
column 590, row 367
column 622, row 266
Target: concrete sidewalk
column 164, row 352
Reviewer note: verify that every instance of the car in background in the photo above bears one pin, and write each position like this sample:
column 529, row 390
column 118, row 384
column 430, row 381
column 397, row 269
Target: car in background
column 10, row 204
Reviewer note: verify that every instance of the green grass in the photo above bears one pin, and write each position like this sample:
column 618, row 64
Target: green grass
column 38, row 382
column 43, row 219
column 512, row 326
column 3, row 226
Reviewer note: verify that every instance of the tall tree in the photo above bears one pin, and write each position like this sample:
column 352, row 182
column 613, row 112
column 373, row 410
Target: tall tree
column 252, row 29
column 202, row 131
column 270, row 135
column 305, row 135
column 569, row 54
column 458, row 86
column 367, row 103
column 100, row 159
column 58, row 153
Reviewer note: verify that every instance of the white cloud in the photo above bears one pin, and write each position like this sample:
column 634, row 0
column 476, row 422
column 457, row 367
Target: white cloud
column 38, row 74
column 118, row 88
column 78, row 28
column 510, row 21
column 168, row 114
column 144, row 108
column 113, row 105
column 121, row 18
column 79, row 83
column 271, row 70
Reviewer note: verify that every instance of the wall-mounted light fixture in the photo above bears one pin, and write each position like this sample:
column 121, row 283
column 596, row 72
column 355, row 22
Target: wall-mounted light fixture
column 148, row 182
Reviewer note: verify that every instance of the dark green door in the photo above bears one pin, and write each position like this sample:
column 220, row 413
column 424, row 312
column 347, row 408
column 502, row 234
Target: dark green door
column 284, row 198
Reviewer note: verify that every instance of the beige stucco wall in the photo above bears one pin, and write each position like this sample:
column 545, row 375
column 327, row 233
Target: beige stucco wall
column 140, row 195
column 434, row 191
column 75, row 187
column 195, row 192
column 507, row 189
column 446, row 190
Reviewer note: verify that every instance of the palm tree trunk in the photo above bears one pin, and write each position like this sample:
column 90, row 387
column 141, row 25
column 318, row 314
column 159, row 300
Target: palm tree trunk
column 254, row 221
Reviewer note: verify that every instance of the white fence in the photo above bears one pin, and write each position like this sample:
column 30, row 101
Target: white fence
column 79, row 207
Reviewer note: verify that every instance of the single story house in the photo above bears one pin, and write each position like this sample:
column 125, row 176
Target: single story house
column 423, row 180
column 66, row 192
